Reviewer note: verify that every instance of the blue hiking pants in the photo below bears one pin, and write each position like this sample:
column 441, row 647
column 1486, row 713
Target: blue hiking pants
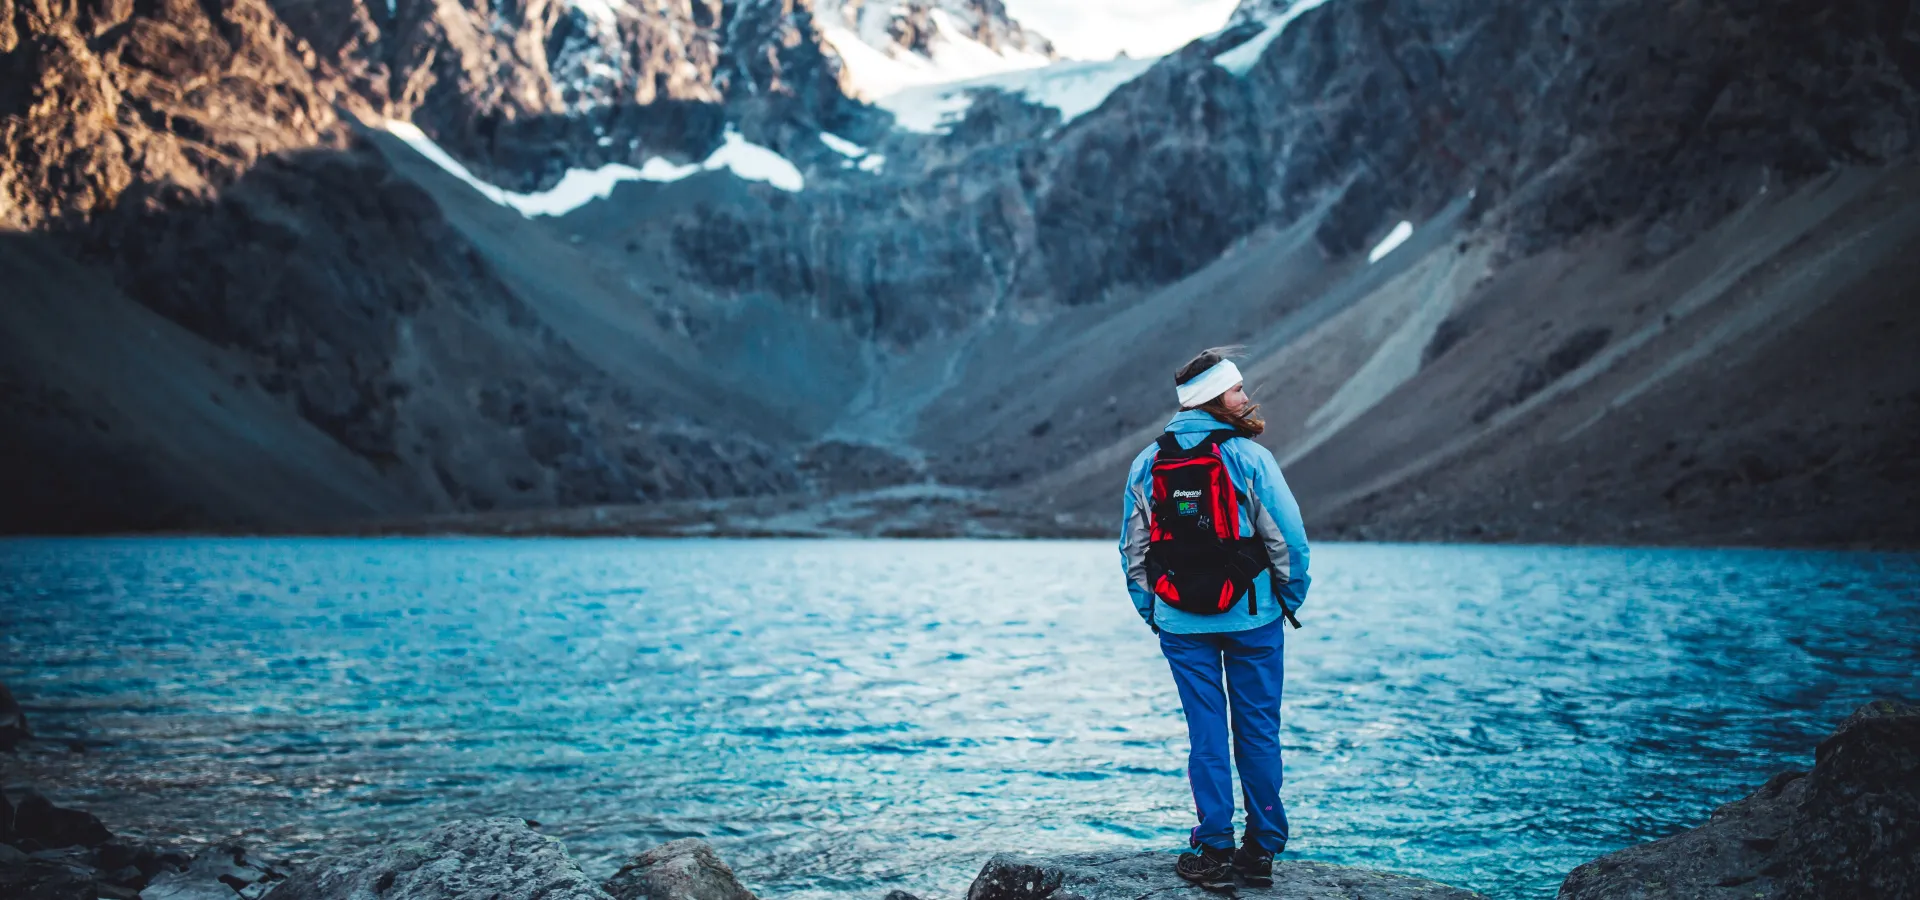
column 1251, row 660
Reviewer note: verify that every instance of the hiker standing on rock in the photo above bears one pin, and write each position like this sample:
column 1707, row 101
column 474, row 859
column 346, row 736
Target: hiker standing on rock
column 1207, row 515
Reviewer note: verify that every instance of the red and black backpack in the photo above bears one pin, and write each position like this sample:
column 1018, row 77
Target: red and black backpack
column 1196, row 559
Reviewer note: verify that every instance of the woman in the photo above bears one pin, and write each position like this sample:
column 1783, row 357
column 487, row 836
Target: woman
column 1216, row 557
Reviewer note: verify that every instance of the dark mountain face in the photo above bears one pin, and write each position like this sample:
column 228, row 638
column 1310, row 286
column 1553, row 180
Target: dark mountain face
column 202, row 165
column 1587, row 115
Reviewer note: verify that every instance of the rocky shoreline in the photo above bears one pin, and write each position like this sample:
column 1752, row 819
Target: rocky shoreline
column 1848, row 827
column 509, row 859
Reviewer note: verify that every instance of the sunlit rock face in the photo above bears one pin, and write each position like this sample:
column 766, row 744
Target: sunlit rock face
column 522, row 91
column 99, row 99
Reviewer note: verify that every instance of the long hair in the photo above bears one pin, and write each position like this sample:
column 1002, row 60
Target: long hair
column 1247, row 421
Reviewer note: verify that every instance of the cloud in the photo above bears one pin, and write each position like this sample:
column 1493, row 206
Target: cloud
column 1097, row 29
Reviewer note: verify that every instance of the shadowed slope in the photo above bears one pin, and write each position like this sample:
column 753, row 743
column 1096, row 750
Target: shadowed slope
column 1756, row 388
column 120, row 418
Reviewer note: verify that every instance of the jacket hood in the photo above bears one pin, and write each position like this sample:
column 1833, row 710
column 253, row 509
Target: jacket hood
column 1191, row 420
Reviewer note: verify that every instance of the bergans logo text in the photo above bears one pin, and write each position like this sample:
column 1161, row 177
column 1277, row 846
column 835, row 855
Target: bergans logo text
column 1186, row 493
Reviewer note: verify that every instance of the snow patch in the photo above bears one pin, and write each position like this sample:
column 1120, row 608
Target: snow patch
column 928, row 110
column 1240, row 59
column 549, row 202
column 1079, row 88
column 842, row 146
column 601, row 11
column 755, row 163
column 1394, row 238
column 1073, row 88
column 579, row 186
column 662, row 169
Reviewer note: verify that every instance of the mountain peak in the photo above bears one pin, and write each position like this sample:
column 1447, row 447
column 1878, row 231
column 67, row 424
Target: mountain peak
column 1263, row 10
column 888, row 48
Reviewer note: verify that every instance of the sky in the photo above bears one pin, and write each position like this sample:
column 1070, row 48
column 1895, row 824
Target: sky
column 1097, row 29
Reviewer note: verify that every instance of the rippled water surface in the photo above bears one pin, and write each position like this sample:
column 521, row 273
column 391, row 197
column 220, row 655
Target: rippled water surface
column 842, row 718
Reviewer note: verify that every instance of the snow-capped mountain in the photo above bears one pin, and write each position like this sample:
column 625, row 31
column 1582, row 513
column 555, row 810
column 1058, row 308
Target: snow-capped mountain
column 598, row 54
column 233, row 302
column 1071, row 88
column 523, row 92
column 1272, row 17
column 887, row 47
column 1265, row 10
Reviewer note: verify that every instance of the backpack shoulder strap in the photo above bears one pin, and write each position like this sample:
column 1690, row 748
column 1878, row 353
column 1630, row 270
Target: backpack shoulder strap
column 1170, row 445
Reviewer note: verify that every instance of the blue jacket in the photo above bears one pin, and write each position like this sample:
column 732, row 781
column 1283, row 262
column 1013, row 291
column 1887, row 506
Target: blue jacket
column 1270, row 513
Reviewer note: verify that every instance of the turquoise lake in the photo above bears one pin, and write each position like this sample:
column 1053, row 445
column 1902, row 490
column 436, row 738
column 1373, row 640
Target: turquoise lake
column 842, row 718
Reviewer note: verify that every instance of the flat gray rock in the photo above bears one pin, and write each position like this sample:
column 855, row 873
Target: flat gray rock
column 218, row 873
column 476, row 859
column 1130, row 876
column 686, row 869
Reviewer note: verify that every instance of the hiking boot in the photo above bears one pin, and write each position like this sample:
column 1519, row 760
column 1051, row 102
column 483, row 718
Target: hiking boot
column 1211, row 868
column 1253, row 865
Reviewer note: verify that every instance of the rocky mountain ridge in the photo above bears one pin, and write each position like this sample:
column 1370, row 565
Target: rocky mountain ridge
column 886, row 47
column 1411, row 108
column 914, row 26
column 1232, row 191
column 210, row 161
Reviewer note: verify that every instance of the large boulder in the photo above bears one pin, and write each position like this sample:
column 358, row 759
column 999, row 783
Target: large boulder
column 40, row 825
column 13, row 721
column 1849, row 828
column 1108, row 877
column 134, row 863
column 686, row 869
column 58, row 853
column 497, row 859
column 47, row 875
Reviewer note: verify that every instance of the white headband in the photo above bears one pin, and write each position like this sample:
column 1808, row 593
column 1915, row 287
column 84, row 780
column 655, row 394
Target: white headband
column 1209, row 384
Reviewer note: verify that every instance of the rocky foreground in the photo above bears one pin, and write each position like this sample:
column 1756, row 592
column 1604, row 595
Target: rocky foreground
column 1848, row 828
column 1125, row 876
column 507, row 859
